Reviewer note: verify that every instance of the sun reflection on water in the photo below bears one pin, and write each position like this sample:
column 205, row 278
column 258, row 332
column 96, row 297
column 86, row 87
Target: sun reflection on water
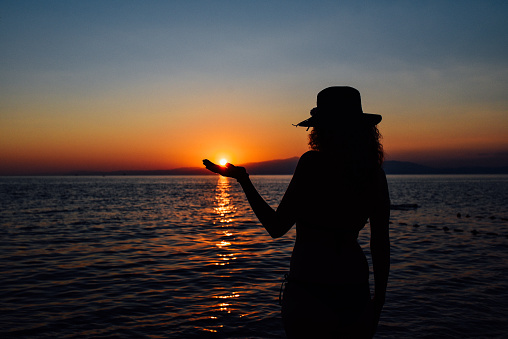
column 224, row 210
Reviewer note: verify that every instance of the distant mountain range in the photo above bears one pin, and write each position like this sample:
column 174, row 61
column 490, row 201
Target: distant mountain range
column 287, row 166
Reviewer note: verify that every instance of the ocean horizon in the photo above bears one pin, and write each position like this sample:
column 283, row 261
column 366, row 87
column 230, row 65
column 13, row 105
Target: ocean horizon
column 185, row 257
column 280, row 167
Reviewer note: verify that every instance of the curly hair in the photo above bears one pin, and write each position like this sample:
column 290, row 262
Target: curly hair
column 359, row 143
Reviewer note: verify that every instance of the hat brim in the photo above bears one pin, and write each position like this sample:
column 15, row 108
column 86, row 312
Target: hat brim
column 365, row 118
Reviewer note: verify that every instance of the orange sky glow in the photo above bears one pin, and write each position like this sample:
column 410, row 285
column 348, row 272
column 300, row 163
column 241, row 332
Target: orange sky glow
column 146, row 92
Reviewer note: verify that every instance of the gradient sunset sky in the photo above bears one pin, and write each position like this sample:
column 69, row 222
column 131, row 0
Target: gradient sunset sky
column 119, row 85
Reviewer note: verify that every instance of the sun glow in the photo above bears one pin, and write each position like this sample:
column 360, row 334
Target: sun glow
column 223, row 162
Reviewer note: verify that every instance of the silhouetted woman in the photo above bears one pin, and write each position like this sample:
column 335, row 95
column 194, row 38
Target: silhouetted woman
column 336, row 188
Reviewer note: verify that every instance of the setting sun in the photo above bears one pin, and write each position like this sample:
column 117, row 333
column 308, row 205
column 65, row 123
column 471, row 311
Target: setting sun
column 223, row 162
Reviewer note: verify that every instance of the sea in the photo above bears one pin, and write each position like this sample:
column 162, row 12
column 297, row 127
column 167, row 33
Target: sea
column 185, row 257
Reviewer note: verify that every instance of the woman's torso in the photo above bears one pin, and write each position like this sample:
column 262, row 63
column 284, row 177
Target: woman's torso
column 333, row 204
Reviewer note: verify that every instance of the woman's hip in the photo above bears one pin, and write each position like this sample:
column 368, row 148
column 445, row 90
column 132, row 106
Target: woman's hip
column 322, row 305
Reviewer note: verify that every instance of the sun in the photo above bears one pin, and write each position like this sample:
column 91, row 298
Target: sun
column 223, row 162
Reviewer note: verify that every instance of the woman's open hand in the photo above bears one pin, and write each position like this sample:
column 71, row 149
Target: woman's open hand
column 228, row 170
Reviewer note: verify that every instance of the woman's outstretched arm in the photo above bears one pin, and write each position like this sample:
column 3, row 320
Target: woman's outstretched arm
column 276, row 222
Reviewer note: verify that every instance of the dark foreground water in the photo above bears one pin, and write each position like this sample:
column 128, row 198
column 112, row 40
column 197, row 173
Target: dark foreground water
column 184, row 257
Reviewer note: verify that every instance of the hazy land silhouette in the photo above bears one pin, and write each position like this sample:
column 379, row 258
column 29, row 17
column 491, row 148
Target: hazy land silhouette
column 287, row 167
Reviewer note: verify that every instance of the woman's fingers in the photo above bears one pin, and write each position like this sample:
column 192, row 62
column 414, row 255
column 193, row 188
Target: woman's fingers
column 210, row 166
column 207, row 163
column 215, row 168
column 228, row 170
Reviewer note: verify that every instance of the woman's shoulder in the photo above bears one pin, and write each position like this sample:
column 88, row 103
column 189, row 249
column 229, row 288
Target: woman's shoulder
column 310, row 155
column 318, row 163
column 320, row 158
column 306, row 162
column 310, row 158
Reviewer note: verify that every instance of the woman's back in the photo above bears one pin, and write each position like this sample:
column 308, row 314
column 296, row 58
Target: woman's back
column 332, row 195
column 333, row 202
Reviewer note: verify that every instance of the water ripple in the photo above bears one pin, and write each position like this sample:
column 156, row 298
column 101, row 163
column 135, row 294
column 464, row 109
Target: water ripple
column 184, row 257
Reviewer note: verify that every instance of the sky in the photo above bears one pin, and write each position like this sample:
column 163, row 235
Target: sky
column 119, row 85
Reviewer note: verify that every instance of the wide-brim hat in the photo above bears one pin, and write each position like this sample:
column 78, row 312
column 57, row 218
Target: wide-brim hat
column 339, row 105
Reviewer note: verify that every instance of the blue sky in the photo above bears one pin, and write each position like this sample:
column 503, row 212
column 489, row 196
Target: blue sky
column 150, row 70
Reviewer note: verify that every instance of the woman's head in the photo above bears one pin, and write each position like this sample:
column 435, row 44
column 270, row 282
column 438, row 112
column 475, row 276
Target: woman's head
column 359, row 143
column 337, row 105
column 340, row 126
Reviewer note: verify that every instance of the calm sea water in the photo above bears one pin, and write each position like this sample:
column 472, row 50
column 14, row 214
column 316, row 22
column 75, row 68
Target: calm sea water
column 184, row 257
